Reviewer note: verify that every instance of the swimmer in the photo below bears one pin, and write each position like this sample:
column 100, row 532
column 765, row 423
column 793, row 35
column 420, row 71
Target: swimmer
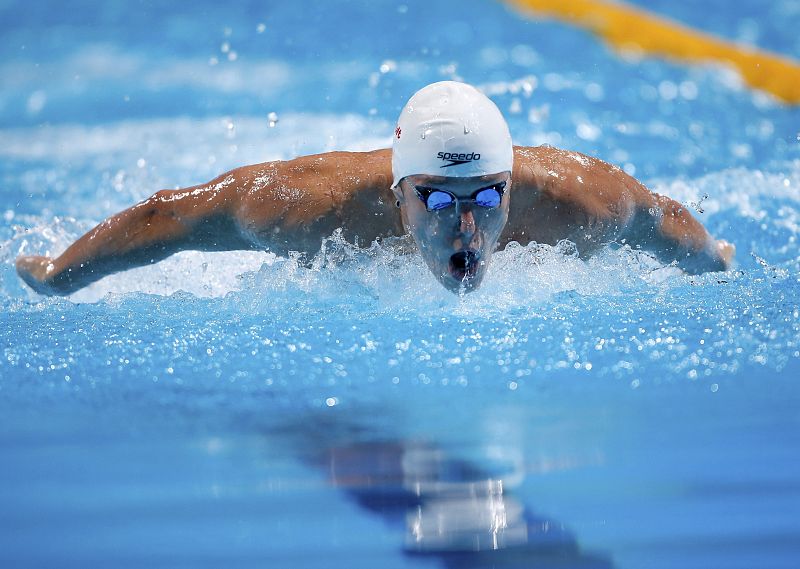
column 452, row 180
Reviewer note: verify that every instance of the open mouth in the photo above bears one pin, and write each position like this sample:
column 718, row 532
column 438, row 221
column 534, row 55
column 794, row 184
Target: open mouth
column 464, row 264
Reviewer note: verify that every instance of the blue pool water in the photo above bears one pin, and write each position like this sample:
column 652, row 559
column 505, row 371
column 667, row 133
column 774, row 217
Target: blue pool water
column 241, row 409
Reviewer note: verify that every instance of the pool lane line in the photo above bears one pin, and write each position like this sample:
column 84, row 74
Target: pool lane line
column 634, row 29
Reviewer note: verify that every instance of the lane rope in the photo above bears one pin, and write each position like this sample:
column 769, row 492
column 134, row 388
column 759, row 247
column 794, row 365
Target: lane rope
column 630, row 29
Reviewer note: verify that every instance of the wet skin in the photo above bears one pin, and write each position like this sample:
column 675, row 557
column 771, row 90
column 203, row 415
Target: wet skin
column 457, row 241
column 292, row 205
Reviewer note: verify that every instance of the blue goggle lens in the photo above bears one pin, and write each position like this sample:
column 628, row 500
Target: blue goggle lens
column 439, row 200
column 488, row 197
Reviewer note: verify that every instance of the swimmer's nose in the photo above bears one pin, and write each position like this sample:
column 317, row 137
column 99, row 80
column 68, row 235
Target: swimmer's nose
column 466, row 221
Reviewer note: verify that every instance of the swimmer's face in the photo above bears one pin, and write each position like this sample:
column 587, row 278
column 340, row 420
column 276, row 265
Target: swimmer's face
column 456, row 223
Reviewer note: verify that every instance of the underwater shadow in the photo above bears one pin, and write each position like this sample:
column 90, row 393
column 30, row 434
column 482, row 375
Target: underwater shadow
column 450, row 509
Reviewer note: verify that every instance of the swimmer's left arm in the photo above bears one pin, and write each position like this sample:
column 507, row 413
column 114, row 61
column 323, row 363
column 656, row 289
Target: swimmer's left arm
column 666, row 228
column 623, row 208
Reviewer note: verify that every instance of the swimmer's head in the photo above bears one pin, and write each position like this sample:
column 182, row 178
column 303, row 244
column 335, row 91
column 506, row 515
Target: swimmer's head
column 452, row 158
column 450, row 129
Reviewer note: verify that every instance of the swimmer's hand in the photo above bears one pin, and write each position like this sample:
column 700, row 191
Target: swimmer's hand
column 726, row 251
column 37, row 272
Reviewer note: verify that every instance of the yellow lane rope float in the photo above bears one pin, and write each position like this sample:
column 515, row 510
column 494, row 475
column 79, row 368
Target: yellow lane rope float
column 633, row 29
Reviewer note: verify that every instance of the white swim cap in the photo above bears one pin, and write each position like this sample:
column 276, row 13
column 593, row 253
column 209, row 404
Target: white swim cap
column 450, row 129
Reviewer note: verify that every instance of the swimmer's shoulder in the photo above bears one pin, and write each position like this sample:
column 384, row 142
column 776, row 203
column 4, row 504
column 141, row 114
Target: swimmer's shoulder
column 342, row 178
column 548, row 174
column 319, row 193
column 575, row 179
column 330, row 177
column 553, row 170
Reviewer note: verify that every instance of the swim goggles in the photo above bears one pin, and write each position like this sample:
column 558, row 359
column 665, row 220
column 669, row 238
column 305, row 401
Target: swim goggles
column 436, row 199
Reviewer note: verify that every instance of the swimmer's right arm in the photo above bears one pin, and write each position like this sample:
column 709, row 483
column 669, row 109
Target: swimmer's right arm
column 287, row 204
column 200, row 217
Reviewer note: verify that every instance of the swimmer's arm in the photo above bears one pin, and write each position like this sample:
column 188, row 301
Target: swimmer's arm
column 289, row 205
column 646, row 220
column 667, row 229
column 201, row 218
column 621, row 208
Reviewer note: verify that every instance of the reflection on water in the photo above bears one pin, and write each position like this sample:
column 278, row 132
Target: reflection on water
column 452, row 510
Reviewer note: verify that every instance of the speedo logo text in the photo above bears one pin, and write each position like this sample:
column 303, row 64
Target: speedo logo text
column 456, row 159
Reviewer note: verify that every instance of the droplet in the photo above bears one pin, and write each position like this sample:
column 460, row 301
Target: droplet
column 260, row 28
column 36, row 102
column 388, row 66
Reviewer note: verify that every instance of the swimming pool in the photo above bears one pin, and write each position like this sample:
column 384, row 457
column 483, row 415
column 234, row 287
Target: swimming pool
column 241, row 409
